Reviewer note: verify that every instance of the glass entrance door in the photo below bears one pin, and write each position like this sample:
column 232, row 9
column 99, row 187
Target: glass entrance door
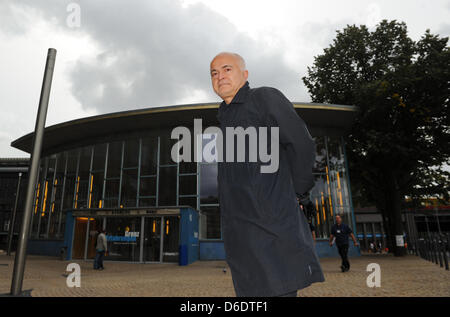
column 152, row 239
column 123, row 235
column 171, row 238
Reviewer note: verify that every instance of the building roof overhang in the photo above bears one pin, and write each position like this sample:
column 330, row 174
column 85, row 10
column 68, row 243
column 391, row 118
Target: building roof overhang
column 321, row 119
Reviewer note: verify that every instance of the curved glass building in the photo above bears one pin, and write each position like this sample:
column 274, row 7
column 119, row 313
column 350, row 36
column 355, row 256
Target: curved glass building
column 115, row 171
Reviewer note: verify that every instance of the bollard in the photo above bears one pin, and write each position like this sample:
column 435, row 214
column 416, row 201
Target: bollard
column 63, row 253
column 448, row 242
column 432, row 250
column 416, row 247
column 424, row 250
column 436, row 248
column 428, row 250
column 444, row 253
column 439, row 249
column 411, row 247
column 435, row 253
column 421, row 249
column 444, row 249
column 435, row 256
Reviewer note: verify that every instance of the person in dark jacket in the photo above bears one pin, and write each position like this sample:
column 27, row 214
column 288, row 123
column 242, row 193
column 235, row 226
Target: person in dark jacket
column 313, row 230
column 267, row 240
column 308, row 210
column 341, row 232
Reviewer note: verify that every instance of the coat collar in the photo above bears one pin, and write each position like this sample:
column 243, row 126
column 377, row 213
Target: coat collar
column 241, row 95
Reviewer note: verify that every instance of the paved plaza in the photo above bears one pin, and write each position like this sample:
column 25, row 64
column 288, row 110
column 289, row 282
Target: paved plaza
column 46, row 276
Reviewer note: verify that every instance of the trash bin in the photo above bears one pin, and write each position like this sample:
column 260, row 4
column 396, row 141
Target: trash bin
column 62, row 253
column 183, row 254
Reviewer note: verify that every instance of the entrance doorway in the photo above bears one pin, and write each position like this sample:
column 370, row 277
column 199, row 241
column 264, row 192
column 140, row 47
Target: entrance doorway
column 161, row 239
column 82, row 224
column 79, row 240
column 171, row 239
column 151, row 239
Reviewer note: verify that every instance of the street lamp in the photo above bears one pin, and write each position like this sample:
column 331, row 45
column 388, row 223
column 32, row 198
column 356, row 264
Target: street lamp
column 19, row 262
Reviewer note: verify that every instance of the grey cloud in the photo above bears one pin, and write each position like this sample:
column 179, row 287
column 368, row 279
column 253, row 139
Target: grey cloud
column 444, row 30
column 321, row 33
column 155, row 53
column 12, row 18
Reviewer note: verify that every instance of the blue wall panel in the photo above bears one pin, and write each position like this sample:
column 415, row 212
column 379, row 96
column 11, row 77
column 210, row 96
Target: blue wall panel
column 212, row 250
column 189, row 248
column 53, row 247
column 44, row 247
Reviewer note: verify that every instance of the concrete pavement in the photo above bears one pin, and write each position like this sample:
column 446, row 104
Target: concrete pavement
column 46, row 276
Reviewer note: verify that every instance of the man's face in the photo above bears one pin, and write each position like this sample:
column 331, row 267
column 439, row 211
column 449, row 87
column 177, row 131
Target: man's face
column 227, row 77
column 338, row 220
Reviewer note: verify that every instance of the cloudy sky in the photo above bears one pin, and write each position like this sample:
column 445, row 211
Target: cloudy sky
column 122, row 55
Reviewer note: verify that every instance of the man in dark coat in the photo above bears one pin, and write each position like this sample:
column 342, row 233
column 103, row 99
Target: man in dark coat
column 267, row 239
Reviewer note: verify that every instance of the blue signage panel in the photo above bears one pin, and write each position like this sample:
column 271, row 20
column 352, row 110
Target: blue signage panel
column 121, row 238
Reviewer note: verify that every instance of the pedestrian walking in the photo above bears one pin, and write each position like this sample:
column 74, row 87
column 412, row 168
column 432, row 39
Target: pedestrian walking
column 371, row 247
column 101, row 249
column 313, row 230
column 341, row 232
column 309, row 211
column 379, row 247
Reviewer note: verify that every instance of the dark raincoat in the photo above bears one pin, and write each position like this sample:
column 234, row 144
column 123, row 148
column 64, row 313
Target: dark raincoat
column 267, row 239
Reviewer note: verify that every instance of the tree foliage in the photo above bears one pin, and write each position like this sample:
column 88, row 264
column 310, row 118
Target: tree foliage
column 399, row 143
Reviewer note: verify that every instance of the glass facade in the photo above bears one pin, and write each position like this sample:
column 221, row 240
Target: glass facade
column 330, row 193
column 9, row 182
column 137, row 171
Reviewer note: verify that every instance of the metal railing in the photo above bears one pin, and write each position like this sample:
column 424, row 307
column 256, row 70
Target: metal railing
column 433, row 247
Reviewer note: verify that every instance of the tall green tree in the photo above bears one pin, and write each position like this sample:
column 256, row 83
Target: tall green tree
column 399, row 143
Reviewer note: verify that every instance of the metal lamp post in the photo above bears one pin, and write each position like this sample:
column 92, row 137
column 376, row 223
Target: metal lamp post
column 19, row 262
